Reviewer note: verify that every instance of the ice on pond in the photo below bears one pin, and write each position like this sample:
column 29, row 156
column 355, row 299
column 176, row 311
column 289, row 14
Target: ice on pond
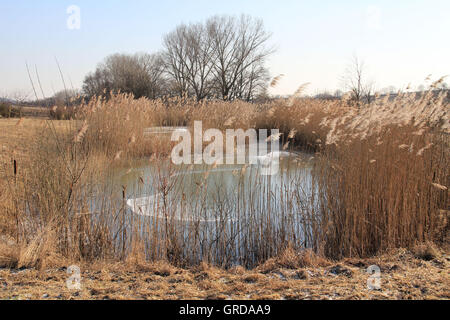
column 164, row 130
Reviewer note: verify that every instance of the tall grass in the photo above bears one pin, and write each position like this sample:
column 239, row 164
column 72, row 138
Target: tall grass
column 380, row 181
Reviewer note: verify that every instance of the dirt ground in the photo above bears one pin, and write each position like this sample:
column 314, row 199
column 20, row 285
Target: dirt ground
column 403, row 275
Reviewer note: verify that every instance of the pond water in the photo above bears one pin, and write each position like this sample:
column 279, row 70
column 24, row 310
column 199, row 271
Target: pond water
column 226, row 214
column 151, row 186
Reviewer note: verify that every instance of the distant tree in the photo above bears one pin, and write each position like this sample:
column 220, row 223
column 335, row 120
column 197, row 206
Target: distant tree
column 139, row 74
column 152, row 74
column 63, row 97
column 222, row 58
column 325, row 95
column 239, row 53
column 389, row 90
column 421, row 88
column 188, row 60
column 355, row 81
column 11, row 104
column 98, row 83
column 338, row 94
column 17, row 97
column 369, row 91
column 251, row 83
column 442, row 86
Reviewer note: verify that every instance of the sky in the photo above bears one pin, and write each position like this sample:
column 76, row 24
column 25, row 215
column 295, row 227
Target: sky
column 400, row 42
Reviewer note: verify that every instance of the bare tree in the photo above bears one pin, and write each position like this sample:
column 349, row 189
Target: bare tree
column 175, row 57
column 369, row 91
column 338, row 94
column 239, row 47
column 251, row 83
column 354, row 80
column 152, row 73
column 188, row 59
column 127, row 74
column 222, row 58
column 20, row 97
column 98, row 83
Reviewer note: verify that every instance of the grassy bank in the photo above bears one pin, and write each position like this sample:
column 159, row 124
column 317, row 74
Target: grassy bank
column 404, row 275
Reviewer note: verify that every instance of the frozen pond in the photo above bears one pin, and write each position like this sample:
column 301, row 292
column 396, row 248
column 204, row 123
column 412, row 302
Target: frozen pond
column 225, row 214
column 153, row 188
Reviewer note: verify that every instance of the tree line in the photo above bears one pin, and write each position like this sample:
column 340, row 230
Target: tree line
column 222, row 58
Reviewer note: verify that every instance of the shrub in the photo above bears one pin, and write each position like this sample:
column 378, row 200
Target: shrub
column 62, row 113
column 9, row 111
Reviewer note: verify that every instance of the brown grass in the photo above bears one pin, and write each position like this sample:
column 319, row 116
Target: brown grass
column 381, row 172
column 403, row 276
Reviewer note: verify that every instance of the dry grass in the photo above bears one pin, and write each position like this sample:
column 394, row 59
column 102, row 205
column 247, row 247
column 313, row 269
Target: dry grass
column 403, row 276
column 381, row 172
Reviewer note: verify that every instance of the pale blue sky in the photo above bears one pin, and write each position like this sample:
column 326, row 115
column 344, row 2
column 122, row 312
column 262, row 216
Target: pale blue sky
column 401, row 41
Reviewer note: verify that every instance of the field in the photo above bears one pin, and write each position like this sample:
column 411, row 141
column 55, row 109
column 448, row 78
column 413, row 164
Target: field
column 381, row 171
